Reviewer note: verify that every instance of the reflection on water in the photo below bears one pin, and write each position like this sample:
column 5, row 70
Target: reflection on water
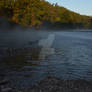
column 19, row 57
column 72, row 58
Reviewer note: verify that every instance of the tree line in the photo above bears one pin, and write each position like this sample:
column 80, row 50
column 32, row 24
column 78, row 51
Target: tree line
column 35, row 13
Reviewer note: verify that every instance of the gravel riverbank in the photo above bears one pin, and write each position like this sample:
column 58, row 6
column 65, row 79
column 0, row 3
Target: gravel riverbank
column 52, row 84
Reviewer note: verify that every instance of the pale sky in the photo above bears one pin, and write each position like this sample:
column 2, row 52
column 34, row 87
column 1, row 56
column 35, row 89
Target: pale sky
column 80, row 6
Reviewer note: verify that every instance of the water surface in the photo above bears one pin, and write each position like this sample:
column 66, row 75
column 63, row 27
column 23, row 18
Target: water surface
column 71, row 57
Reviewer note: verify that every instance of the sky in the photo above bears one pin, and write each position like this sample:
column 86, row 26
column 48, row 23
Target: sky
column 83, row 7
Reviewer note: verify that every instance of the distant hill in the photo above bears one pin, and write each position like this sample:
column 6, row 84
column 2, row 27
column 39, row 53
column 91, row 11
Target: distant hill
column 42, row 14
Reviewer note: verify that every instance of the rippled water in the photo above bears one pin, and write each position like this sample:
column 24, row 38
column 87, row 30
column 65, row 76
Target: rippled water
column 72, row 57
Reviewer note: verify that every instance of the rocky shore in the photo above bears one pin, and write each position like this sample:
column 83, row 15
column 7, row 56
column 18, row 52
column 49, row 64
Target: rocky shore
column 52, row 84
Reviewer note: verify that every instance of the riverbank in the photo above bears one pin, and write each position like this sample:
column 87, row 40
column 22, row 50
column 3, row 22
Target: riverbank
column 7, row 25
column 53, row 84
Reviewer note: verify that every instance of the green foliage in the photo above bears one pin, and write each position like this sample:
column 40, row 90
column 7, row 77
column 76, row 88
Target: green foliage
column 35, row 12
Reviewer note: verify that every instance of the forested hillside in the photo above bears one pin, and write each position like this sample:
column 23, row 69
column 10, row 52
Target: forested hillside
column 38, row 13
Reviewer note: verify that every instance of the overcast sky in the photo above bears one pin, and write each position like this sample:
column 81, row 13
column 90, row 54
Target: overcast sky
column 80, row 6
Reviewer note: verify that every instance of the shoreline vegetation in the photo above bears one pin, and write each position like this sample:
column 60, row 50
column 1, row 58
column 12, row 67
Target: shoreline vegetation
column 41, row 15
column 7, row 25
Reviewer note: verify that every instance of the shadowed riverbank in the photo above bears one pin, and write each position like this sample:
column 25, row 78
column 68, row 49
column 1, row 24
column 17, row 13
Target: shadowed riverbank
column 53, row 84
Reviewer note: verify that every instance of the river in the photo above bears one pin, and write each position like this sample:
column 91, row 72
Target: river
column 29, row 56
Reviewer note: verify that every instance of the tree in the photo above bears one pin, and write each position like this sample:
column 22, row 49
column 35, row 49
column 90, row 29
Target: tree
column 35, row 12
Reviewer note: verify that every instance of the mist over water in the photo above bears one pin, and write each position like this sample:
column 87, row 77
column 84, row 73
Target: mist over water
column 71, row 57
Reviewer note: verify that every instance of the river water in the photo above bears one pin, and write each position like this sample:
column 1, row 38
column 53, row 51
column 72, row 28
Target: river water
column 27, row 57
